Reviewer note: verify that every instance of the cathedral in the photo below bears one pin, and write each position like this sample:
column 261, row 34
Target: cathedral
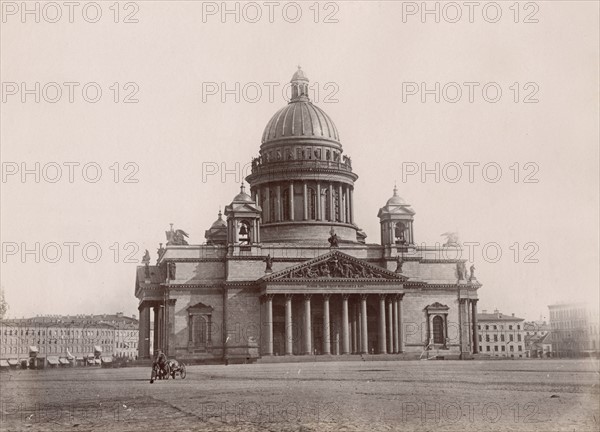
column 286, row 271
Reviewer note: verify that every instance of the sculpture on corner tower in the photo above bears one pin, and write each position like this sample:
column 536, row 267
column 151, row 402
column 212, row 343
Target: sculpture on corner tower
column 176, row 237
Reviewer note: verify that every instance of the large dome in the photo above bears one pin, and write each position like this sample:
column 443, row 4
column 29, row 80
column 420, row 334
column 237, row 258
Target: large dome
column 302, row 180
column 300, row 118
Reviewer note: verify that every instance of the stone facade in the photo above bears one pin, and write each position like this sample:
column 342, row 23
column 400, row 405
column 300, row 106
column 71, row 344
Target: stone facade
column 501, row 335
column 69, row 337
column 575, row 329
column 289, row 272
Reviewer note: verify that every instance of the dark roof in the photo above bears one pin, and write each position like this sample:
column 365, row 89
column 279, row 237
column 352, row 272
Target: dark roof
column 497, row 317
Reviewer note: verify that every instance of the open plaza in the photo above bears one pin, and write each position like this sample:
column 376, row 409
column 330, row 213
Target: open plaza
column 359, row 395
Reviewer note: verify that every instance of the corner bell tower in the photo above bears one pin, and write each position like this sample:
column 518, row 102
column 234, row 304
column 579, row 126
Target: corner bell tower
column 243, row 222
column 396, row 220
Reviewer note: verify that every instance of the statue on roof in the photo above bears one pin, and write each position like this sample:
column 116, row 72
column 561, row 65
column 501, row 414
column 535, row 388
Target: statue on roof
column 472, row 272
column 399, row 263
column 333, row 239
column 171, row 269
column 461, row 270
column 451, row 239
column 160, row 251
column 269, row 262
column 176, row 237
column 146, row 262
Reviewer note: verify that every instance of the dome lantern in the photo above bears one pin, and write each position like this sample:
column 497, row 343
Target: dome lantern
column 299, row 86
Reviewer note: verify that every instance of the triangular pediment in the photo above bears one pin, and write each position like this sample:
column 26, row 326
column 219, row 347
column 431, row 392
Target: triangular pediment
column 242, row 207
column 335, row 265
column 396, row 211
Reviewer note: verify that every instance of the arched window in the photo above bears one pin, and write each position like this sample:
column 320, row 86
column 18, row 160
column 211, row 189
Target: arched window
column 400, row 233
column 438, row 330
column 312, row 204
column 325, row 204
column 244, row 233
column 199, row 325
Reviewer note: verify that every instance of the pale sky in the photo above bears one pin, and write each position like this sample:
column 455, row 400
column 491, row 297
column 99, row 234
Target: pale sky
column 172, row 132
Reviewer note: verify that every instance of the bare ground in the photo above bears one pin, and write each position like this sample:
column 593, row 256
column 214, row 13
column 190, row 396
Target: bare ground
column 518, row 395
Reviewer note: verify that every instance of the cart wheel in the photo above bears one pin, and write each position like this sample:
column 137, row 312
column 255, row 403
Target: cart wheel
column 182, row 372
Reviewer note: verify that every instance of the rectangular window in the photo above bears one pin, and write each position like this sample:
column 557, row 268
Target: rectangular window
column 503, row 348
column 487, row 348
column 512, row 348
column 495, row 338
column 511, row 338
column 519, row 338
column 495, row 347
column 520, row 348
column 502, row 337
column 479, row 338
column 487, row 337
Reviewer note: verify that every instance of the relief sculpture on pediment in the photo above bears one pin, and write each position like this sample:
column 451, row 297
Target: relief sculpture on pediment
column 334, row 268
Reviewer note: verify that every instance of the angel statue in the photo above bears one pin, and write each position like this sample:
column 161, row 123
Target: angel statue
column 176, row 237
column 451, row 239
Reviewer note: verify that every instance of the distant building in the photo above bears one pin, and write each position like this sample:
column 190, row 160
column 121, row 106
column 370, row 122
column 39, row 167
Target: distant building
column 538, row 340
column 55, row 339
column 575, row 329
column 501, row 335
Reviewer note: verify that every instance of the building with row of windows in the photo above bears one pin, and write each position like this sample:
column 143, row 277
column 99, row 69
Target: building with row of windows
column 575, row 329
column 501, row 335
column 57, row 338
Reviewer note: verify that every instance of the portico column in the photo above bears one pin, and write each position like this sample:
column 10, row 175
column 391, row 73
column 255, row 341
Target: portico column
column 326, row 337
column 364, row 349
column 291, row 200
column 269, row 324
column 382, row 335
column 355, row 338
column 318, row 215
column 156, row 329
column 345, row 335
column 288, row 325
column 395, row 320
column 307, row 326
column 400, row 325
column 475, row 330
column 390, row 330
column 144, row 332
column 305, row 194
column 170, row 327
